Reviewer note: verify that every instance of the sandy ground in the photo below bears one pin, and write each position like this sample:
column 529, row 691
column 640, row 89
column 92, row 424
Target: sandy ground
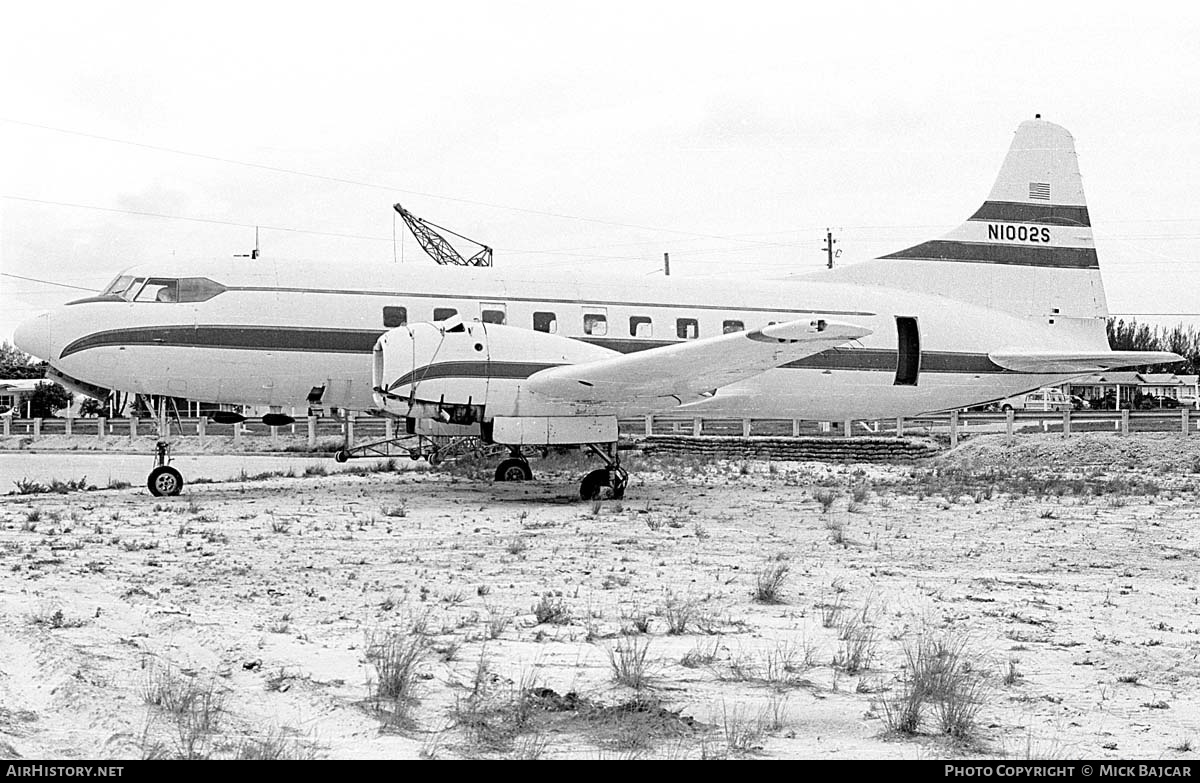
column 260, row 618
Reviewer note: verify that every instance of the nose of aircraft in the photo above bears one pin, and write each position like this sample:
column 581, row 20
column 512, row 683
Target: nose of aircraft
column 33, row 336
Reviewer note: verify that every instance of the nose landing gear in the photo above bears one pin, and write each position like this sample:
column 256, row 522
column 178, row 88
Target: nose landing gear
column 164, row 479
column 609, row 481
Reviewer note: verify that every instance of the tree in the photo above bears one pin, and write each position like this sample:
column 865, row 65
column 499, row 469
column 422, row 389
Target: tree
column 15, row 363
column 1132, row 336
column 47, row 399
column 92, row 407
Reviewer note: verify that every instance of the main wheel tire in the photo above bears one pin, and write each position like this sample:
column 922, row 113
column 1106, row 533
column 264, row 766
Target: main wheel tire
column 341, row 455
column 513, row 470
column 434, row 459
column 164, row 480
column 593, row 484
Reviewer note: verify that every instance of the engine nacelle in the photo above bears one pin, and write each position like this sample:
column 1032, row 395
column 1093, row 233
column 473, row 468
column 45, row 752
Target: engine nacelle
column 465, row 373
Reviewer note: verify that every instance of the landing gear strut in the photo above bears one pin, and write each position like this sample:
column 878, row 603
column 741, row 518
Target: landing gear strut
column 164, row 479
column 515, row 468
column 609, row 481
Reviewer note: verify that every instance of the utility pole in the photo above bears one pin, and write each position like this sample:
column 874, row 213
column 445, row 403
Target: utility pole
column 829, row 243
column 667, row 264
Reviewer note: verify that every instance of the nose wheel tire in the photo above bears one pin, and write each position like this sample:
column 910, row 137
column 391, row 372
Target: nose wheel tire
column 164, row 481
column 513, row 470
column 603, row 482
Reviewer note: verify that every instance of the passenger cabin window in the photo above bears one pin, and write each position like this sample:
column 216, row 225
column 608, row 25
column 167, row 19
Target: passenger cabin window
column 732, row 326
column 442, row 313
column 595, row 324
column 908, row 351
column 640, row 326
column 545, row 322
column 687, row 328
column 395, row 316
column 493, row 316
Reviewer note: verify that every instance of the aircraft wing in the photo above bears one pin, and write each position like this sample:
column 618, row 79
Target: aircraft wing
column 1059, row 362
column 685, row 371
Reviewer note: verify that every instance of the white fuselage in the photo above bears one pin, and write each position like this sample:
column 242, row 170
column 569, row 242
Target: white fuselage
column 279, row 332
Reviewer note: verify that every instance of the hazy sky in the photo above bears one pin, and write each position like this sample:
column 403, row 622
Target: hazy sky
column 580, row 136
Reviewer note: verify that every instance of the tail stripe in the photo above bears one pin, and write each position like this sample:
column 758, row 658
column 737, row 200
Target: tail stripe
column 1017, row 212
column 1019, row 255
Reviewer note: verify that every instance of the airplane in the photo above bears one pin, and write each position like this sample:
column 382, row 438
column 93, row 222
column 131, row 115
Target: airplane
column 1011, row 300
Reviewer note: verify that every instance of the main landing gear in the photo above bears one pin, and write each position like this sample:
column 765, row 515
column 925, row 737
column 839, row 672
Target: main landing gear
column 515, row 468
column 609, row 481
column 164, row 479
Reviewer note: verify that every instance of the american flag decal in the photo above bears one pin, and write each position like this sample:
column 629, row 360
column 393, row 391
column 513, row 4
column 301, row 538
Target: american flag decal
column 1039, row 190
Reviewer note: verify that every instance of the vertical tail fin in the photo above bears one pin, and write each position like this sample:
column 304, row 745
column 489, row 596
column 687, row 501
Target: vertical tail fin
column 1027, row 250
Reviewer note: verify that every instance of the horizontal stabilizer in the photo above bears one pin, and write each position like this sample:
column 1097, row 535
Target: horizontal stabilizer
column 1059, row 362
column 685, row 371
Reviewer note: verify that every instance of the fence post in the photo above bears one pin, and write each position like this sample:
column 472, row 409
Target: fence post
column 202, row 428
column 953, row 429
column 649, row 424
column 697, row 425
column 847, row 427
column 1183, row 421
column 101, row 427
column 1124, row 421
column 795, row 428
column 7, row 426
column 389, row 428
column 69, row 423
column 37, row 428
column 133, row 427
column 237, row 434
column 745, row 428
column 312, row 432
column 350, row 429
column 1066, row 423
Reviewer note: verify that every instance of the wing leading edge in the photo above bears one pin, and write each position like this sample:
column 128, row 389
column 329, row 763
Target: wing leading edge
column 679, row 373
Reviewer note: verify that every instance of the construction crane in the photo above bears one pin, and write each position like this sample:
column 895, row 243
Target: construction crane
column 436, row 245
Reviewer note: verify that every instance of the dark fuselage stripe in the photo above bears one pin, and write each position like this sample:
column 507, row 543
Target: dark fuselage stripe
column 470, row 369
column 249, row 338
column 362, row 341
column 1016, row 255
column 1017, row 212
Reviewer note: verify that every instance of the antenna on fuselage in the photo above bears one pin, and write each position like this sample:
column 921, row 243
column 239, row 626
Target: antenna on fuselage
column 253, row 253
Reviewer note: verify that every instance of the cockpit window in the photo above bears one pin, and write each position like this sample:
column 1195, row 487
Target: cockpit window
column 158, row 289
column 118, row 286
column 198, row 289
column 163, row 289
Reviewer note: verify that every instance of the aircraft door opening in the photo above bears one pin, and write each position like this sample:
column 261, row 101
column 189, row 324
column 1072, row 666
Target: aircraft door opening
column 908, row 351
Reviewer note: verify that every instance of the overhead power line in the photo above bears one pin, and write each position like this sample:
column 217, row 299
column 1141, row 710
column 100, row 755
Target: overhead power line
column 363, row 183
column 46, row 282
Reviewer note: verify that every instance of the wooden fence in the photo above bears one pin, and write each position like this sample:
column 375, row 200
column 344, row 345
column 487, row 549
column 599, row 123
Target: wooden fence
column 952, row 426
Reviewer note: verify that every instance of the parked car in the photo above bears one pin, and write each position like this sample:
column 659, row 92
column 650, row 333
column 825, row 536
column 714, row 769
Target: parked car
column 1189, row 400
column 1079, row 403
column 1048, row 399
column 1109, row 402
column 1148, row 402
